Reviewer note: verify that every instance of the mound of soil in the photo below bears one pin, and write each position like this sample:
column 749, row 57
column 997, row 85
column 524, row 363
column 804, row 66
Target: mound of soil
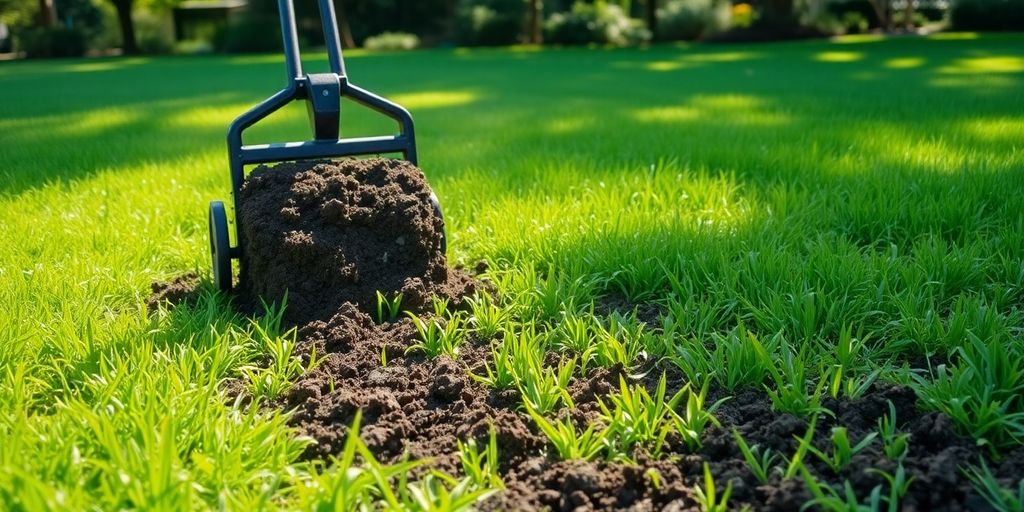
column 330, row 233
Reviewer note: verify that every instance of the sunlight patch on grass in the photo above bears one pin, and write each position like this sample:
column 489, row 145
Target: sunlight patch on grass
column 87, row 123
column 1006, row 129
column 689, row 61
column 904, row 63
column 722, row 56
column 980, row 84
column 833, row 56
column 567, row 124
column 988, row 64
column 526, row 48
column 954, row 36
column 738, row 109
column 667, row 114
column 435, row 99
column 97, row 121
column 734, row 102
column 207, row 117
column 894, row 147
column 667, row 65
column 103, row 65
column 858, row 38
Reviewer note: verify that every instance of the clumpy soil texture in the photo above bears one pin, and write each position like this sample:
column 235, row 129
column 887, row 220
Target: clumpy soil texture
column 421, row 407
column 330, row 233
column 182, row 289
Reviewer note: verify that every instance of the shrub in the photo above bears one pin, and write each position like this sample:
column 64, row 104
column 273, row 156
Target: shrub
column 490, row 22
column 599, row 23
column 854, row 23
column 392, row 41
column 742, row 15
column 52, row 42
column 848, row 23
column 153, row 33
column 692, row 19
column 849, row 12
column 256, row 29
column 253, row 33
column 987, row 15
column 193, row 47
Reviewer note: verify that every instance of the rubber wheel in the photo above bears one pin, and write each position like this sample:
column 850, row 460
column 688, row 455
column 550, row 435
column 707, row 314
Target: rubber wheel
column 437, row 209
column 220, row 246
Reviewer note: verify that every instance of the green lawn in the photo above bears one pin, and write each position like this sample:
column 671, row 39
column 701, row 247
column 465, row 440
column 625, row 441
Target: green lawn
column 798, row 189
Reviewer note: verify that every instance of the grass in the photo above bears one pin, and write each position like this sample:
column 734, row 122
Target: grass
column 849, row 204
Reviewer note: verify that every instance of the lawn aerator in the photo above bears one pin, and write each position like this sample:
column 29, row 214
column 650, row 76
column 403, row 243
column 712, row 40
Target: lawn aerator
column 322, row 93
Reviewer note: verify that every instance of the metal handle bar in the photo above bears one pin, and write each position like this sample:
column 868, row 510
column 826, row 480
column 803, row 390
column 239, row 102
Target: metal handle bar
column 289, row 35
column 302, row 86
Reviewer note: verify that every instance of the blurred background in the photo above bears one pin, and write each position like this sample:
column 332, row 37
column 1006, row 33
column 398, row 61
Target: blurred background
column 72, row 28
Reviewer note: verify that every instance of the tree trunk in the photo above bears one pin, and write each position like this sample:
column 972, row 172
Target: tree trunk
column 129, row 46
column 908, row 16
column 533, row 35
column 651, row 16
column 47, row 16
column 883, row 12
column 343, row 26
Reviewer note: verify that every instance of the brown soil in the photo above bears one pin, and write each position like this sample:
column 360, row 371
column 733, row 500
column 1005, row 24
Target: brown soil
column 329, row 234
column 422, row 407
column 615, row 303
column 180, row 290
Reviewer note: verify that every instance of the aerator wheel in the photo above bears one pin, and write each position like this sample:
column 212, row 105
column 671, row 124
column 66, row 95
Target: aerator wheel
column 437, row 209
column 220, row 246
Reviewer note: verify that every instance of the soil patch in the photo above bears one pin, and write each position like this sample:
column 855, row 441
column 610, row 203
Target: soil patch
column 615, row 303
column 333, row 234
column 183, row 289
column 423, row 407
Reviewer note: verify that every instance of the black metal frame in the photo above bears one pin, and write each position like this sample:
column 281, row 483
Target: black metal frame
column 323, row 93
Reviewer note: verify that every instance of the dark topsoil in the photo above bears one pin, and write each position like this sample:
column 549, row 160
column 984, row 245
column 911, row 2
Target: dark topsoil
column 333, row 234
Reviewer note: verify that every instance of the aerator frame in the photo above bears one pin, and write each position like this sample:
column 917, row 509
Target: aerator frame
column 322, row 93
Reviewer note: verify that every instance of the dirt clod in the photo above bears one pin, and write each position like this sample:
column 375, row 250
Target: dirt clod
column 182, row 289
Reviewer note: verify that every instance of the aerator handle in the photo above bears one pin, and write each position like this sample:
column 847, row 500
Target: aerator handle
column 322, row 92
column 289, row 35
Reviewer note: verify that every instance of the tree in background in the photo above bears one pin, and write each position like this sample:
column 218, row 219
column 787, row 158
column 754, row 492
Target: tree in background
column 344, row 28
column 533, row 33
column 883, row 9
column 491, row 22
column 46, row 17
column 651, row 15
column 124, row 8
column 18, row 13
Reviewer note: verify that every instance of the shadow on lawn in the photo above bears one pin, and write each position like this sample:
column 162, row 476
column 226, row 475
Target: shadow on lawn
column 631, row 107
